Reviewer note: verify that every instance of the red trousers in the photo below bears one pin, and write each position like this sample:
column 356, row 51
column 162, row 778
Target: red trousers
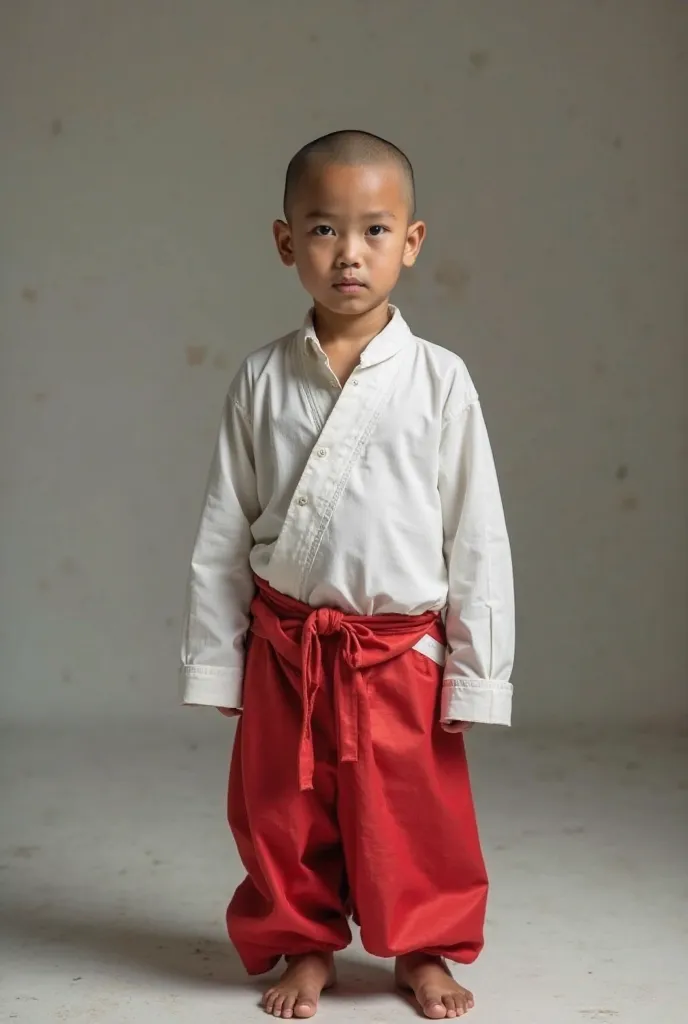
column 346, row 795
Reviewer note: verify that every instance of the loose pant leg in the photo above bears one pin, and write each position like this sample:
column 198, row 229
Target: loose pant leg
column 289, row 841
column 413, row 855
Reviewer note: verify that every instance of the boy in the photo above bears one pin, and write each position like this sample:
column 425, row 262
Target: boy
column 351, row 597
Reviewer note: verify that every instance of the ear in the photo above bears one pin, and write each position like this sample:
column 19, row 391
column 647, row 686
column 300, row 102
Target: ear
column 282, row 235
column 415, row 236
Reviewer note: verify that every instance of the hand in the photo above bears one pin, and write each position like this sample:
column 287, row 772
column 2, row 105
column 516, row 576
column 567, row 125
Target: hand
column 229, row 712
column 456, row 727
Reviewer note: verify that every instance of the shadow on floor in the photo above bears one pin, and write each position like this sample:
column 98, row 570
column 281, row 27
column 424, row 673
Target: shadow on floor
column 114, row 940
column 162, row 951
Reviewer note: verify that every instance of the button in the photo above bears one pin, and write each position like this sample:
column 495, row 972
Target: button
column 323, row 453
column 303, row 500
column 354, row 383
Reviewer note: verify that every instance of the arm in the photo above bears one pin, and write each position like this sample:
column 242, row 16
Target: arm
column 480, row 614
column 221, row 588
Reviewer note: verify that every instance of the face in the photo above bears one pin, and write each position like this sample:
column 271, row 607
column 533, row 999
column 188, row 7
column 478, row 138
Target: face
column 349, row 235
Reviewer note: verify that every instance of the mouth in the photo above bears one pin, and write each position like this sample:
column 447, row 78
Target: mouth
column 349, row 286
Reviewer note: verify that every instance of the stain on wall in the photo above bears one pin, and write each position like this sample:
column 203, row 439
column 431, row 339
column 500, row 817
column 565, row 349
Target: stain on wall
column 24, row 852
column 196, row 355
column 453, row 278
column 480, row 60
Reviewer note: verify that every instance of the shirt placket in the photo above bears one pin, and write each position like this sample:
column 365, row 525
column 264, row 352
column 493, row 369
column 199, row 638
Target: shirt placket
column 325, row 475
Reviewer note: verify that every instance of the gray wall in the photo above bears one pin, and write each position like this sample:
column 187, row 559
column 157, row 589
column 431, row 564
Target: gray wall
column 142, row 147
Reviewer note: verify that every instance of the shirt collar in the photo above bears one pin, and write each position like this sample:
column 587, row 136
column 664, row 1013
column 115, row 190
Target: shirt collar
column 384, row 345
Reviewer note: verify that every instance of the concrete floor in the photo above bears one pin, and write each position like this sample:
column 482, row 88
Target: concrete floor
column 115, row 865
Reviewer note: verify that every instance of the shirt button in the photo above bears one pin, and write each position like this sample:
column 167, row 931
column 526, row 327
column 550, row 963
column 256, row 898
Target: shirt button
column 322, row 453
column 354, row 383
column 303, row 500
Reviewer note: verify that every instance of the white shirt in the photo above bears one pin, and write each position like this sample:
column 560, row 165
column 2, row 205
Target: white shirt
column 377, row 497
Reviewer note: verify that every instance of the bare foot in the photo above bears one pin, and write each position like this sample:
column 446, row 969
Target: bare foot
column 428, row 977
column 297, row 992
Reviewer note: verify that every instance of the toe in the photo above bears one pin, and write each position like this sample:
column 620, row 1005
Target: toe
column 304, row 1009
column 268, row 1000
column 288, row 1007
column 450, row 1006
column 277, row 1006
column 434, row 1008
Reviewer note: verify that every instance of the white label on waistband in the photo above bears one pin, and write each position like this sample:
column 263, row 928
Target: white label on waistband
column 432, row 649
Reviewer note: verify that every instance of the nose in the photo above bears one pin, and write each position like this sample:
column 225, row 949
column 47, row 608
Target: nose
column 348, row 253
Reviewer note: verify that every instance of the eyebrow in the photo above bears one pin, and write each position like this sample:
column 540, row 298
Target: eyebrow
column 375, row 215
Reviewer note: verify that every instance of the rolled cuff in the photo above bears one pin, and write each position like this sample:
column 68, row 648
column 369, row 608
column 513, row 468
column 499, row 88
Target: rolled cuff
column 487, row 701
column 215, row 687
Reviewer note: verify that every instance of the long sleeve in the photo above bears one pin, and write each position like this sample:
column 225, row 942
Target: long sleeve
column 221, row 587
column 480, row 614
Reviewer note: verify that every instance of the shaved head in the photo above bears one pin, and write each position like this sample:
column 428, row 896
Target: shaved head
column 347, row 148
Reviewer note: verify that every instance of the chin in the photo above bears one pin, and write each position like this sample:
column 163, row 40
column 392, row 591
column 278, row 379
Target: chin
column 353, row 305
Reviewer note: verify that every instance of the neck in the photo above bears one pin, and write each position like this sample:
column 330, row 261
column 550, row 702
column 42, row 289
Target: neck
column 356, row 331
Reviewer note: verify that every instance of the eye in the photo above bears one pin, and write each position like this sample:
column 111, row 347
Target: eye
column 322, row 230
column 376, row 230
